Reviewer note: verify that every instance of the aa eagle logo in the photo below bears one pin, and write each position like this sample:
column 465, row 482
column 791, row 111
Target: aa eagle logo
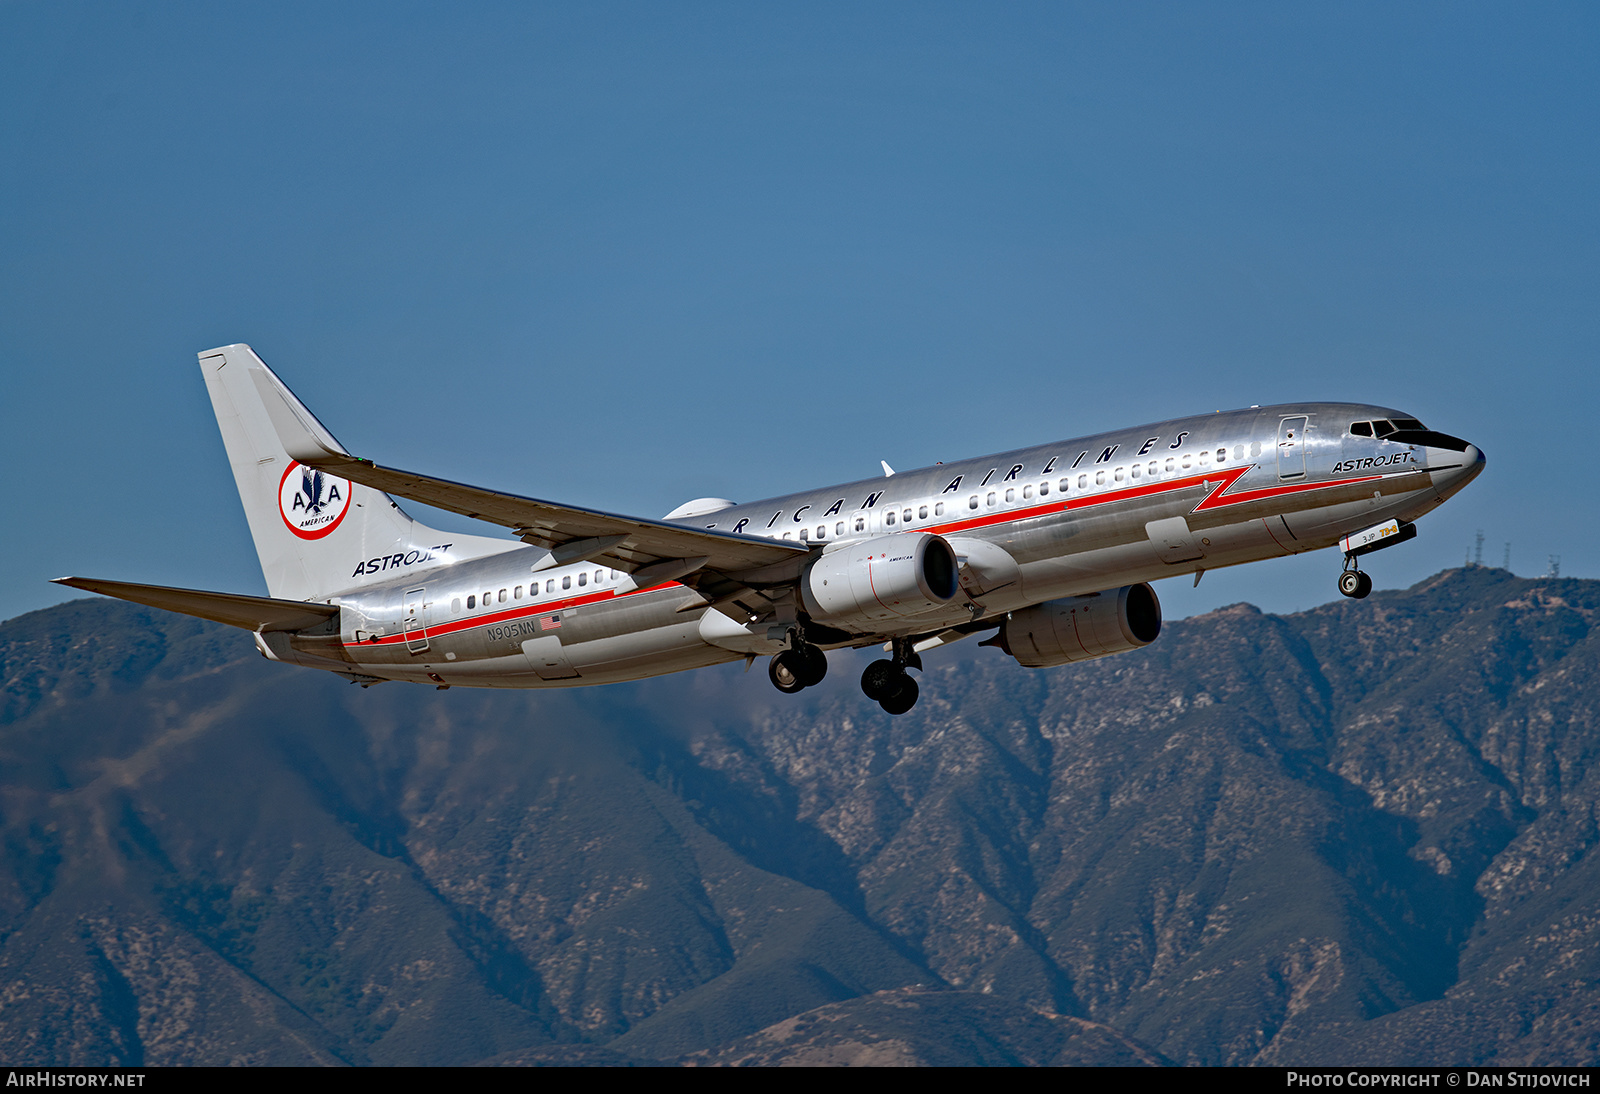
column 312, row 504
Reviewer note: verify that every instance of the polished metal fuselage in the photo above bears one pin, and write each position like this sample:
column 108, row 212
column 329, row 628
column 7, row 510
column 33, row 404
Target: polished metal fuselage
column 1074, row 517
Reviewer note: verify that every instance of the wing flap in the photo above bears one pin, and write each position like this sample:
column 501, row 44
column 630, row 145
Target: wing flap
column 253, row 613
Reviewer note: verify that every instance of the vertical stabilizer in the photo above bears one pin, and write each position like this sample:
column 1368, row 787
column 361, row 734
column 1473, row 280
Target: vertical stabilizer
column 317, row 534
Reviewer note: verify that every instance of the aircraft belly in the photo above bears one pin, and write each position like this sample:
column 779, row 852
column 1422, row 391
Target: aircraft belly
column 1355, row 506
column 647, row 653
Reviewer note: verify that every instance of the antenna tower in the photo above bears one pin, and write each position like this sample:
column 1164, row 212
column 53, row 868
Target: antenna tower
column 1477, row 549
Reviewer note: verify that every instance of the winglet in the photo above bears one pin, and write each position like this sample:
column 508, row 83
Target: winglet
column 888, row 472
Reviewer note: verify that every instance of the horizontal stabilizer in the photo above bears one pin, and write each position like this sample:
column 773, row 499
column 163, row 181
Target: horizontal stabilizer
column 253, row 613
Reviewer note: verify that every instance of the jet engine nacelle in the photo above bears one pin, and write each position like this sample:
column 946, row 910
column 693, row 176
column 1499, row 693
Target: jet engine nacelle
column 1078, row 628
column 888, row 578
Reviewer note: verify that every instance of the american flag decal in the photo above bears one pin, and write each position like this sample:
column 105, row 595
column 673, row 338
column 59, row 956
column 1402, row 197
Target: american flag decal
column 551, row 623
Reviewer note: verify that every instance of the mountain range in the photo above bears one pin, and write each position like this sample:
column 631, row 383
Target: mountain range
column 1357, row 834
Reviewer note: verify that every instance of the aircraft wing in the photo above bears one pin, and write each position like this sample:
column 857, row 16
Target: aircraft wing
column 630, row 544
column 253, row 613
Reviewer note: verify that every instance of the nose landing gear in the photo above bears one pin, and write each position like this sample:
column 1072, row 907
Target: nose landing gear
column 887, row 683
column 1354, row 583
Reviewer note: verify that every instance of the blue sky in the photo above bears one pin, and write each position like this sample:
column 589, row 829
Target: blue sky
column 629, row 254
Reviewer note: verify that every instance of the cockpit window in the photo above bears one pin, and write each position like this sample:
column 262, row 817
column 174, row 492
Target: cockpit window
column 1383, row 427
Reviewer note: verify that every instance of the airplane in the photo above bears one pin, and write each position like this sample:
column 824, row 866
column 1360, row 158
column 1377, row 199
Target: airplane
column 1051, row 548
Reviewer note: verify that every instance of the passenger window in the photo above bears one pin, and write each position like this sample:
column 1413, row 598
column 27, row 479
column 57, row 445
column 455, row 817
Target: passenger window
column 888, row 518
column 1154, row 467
column 1044, row 488
column 1203, row 456
column 922, row 512
column 566, row 582
column 1083, row 482
column 1222, row 454
column 550, row 586
column 1186, row 461
column 972, row 502
column 1135, row 472
column 517, row 594
column 583, row 579
column 1011, row 496
column 805, row 534
column 938, row 510
column 1170, row 465
column 472, row 602
column 990, row 499
column 1238, row 451
column 455, row 606
column 1117, row 474
column 502, row 596
column 822, row 531
column 906, row 515
column 788, row 535
column 1027, row 492
column 838, row 529
column 861, row 524
column 488, row 598
column 1361, row 429
column 613, row 575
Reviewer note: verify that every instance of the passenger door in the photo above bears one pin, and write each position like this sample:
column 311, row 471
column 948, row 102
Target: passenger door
column 1292, row 448
column 413, row 622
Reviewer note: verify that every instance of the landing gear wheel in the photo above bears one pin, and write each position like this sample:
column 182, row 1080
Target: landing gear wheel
column 904, row 699
column 786, row 671
column 813, row 665
column 883, row 680
column 1355, row 584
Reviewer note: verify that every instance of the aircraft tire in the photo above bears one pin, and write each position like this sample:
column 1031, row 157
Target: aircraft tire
column 1355, row 584
column 813, row 665
column 883, row 680
column 902, row 700
column 784, row 670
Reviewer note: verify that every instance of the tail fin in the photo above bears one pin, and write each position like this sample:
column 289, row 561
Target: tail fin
column 316, row 533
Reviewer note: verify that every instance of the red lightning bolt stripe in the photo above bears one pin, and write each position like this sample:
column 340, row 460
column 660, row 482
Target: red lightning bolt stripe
column 1219, row 497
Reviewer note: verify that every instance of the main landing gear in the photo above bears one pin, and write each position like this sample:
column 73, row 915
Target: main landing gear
column 887, row 683
column 1352, row 582
column 797, row 668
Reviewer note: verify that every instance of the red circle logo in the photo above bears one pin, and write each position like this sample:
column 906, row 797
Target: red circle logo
column 311, row 502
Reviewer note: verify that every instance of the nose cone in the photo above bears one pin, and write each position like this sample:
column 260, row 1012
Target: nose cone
column 1455, row 468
